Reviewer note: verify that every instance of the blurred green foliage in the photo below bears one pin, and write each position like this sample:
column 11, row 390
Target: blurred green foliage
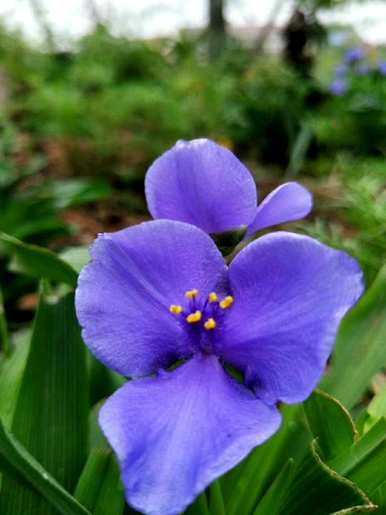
column 78, row 129
column 84, row 123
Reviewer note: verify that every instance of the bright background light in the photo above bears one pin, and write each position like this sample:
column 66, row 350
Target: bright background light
column 71, row 18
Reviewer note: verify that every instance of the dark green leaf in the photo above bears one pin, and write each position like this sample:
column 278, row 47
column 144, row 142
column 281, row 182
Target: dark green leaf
column 364, row 462
column 199, row 507
column 360, row 349
column 216, row 500
column 361, row 450
column 100, row 488
column 248, row 482
column 330, row 423
column 16, row 461
column 51, row 416
column 272, row 498
column 316, row 488
column 5, row 345
column 11, row 373
column 39, row 262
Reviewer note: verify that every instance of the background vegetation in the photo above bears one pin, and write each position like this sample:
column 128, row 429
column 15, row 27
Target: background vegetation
column 78, row 129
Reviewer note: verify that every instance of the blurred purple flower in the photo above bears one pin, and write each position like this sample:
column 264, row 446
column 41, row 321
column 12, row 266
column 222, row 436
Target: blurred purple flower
column 362, row 69
column 204, row 184
column 159, row 293
column 338, row 87
column 382, row 67
column 353, row 55
column 341, row 70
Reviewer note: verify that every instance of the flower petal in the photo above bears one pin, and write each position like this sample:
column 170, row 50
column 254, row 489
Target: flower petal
column 201, row 183
column 287, row 203
column 124, row 294
column 290, row 293
column 176, row 433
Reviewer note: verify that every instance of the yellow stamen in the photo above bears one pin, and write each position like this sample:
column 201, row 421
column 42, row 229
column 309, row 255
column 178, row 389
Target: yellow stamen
column 212, row 297
column 191, row 294
column 194, row 317
column 175, row 309
column 210, row 324
column 227, row 302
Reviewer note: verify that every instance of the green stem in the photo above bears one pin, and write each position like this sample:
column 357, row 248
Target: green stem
column 4, row 336
column 216, row 501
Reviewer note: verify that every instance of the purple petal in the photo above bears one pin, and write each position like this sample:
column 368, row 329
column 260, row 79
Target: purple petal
column 201, row 183
column 287, row 203
column 290, row 293
column 124, row 294
column 176, row 433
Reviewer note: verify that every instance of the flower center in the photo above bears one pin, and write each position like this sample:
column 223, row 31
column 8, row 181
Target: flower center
column 201, row 316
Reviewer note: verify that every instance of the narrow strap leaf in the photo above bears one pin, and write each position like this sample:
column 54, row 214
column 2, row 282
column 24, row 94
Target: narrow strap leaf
column 51, row 415
column 99, row 487
column 40, row 262
column 16, row 460
column 216, row 501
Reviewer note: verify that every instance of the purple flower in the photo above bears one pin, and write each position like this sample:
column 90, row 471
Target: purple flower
column 382, row 67
column 353, row 55
column 362, row 69
column 204, row 184
column 341, row 70
column 159, row 294
column 338, row 87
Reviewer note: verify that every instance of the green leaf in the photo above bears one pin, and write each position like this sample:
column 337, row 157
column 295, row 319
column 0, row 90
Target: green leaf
column 272, row 498
column 374, row 411
column 11, row 373
column 364, row 462
column 73, row 192
column 39, row 262
column 103, row 382
column 361, row 450
column 51, row 415
column 199, row 507
column 248, row 482
column 5, row 345
column 15, row 460
column 360, row 349
column 99, row 488
column 330, row 423
column 316, row 488
column 216, row 500
column 76, row 257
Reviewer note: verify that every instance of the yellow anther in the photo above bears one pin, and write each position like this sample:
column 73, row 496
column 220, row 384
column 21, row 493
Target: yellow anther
column 227, row 302
column 210, row 324
column 175, row 309
column 191, row 294
column 212, row 297
column 194, row 317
